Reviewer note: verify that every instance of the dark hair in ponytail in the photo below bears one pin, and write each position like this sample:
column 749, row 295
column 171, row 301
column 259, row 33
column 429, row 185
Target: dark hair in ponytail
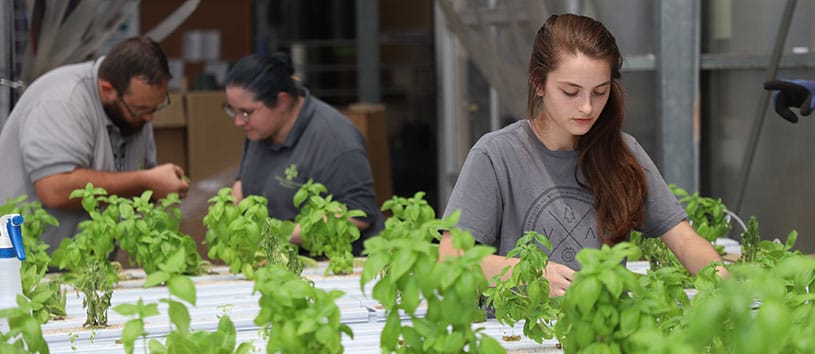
column 264, row 76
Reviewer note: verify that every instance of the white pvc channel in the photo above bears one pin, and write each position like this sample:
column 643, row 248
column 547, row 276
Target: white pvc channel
column 225, row 293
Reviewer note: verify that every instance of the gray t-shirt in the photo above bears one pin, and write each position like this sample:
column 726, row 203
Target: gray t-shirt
column 511, row 183
column 324, row 146
column 59, row 125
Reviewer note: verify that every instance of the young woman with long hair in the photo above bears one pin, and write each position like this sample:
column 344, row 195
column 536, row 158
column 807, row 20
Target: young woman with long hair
column 569, row 172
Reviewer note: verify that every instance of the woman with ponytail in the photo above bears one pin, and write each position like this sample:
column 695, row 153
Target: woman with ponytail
column 291, row 137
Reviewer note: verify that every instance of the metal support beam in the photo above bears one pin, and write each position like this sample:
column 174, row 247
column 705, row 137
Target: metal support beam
column 368, row 81
column 725, row 61
column 677, row 65
column 576, row 7
column 495, row 101
column 6, row 58
column 448, row 106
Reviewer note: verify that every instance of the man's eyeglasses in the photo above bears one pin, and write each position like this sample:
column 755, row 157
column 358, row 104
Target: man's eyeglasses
column 145, row 112
column 244, row 115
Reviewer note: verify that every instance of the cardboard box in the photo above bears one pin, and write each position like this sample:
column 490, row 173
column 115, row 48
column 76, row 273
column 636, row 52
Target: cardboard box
column 171, row 146
column 370, row 120
column 173, row 116
column 214, row 144
column 207, row 145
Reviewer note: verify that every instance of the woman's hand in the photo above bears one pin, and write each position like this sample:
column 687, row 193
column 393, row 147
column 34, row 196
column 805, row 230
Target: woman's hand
column 559, row 277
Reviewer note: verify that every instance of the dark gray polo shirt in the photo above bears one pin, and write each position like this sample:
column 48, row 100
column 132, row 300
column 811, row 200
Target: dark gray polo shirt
column 324, row 146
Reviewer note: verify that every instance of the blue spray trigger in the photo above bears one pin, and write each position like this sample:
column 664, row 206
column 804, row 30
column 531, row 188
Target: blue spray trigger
column 16, row 235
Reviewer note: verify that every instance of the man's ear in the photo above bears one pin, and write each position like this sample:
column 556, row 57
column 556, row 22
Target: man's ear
column 107, row 92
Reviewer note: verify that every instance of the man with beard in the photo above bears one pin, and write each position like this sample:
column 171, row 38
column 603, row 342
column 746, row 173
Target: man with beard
column 89, row 123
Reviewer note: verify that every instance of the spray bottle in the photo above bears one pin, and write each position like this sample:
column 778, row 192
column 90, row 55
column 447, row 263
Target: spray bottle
column 11, row 253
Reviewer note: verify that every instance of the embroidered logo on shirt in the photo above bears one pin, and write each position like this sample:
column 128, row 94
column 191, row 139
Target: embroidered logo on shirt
column 291, row 172
column 288, row 181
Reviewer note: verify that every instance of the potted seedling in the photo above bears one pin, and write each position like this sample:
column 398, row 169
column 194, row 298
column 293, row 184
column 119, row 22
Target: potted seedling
column 296, row 316
column 325, row 226
column 524, row 295
column 407, row 214
column 150, row 232
column 408, row 271
column 606, row 304
column 708, row 216
column 86, row 255
column 245, row 237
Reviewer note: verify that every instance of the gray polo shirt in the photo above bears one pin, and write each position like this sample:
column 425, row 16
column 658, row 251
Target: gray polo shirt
column 59, row 125
column 324, row 146
column 511, row 183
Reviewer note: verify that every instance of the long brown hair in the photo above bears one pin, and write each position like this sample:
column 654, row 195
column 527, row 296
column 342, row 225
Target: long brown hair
column 611, row 172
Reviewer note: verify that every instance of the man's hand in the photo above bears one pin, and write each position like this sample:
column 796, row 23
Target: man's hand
column 792, row 93
column 560, row 278
column 167, row 178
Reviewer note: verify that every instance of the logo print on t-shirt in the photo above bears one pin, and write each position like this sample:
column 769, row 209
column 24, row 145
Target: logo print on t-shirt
column 566, row 216
column 569, row 254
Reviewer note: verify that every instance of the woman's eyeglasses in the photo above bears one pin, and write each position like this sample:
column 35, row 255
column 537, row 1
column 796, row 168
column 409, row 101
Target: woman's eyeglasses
column 244, row 115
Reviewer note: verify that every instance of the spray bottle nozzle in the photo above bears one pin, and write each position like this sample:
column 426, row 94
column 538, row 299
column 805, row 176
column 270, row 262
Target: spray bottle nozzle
column 13, row 226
